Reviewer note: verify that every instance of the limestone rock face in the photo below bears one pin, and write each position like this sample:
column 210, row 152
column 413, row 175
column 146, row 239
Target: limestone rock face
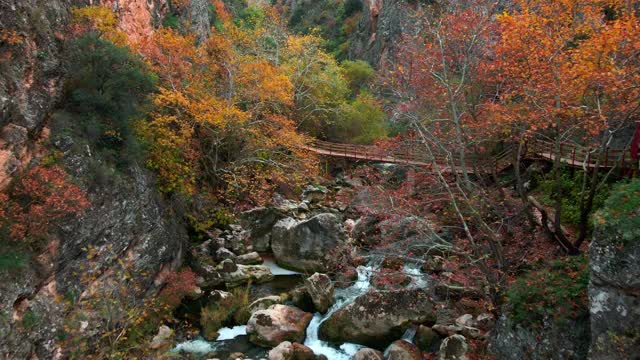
column 306, row 245
column 277, row 324
column 377, row 318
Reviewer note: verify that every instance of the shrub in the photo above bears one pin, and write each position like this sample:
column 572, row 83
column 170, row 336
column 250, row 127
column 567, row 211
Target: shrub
column 559, row 292
column 40, row 198
column 621, row 211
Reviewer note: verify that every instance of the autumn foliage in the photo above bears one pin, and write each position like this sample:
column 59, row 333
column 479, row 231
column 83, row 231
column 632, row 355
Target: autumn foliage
column 41, row 198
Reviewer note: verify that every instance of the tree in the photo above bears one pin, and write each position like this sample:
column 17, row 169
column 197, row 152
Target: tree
column 107, row 87
column 362, row 121
column 568, row 79
column 439, row 75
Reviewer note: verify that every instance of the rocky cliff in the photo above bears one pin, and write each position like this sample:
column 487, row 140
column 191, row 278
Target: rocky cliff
column 381, row 26
column 614, row 293
column 128, row 237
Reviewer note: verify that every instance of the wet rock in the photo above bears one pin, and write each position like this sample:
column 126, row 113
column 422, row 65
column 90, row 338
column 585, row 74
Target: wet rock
column 257, row 274
column 426, row 339
column 277, row 324
column 306, row 245
column 402, row 350
column 453, row 348
column 368, row 354
column 291, row 351
column 252, row 258
column 264, row 303
column 164, row 338
column 236, row 356
column 320, row 289
column 378, row 317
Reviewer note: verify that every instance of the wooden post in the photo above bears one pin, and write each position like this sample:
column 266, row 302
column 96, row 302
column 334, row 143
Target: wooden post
column 573, row 156
column 606, row 156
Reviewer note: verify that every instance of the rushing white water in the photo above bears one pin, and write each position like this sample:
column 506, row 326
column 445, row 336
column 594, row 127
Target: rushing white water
column 231, row 333
column 418, row 279
column 197, row 346
column 343, row 297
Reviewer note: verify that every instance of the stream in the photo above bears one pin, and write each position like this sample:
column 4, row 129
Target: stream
column 233, row 339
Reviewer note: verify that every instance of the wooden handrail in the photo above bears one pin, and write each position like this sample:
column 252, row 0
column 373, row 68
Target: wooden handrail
column 570, row 154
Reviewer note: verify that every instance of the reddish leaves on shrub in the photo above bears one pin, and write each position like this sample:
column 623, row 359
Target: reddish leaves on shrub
column 42, row 197
column 179, row 285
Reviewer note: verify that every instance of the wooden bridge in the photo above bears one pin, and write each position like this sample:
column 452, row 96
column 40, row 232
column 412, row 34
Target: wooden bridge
column 570, row 154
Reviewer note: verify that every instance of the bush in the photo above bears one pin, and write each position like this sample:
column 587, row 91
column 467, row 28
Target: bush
column 621, row 211
column 559, row 292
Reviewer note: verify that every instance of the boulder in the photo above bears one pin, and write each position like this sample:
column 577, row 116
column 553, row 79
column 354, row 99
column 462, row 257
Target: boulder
column 224, row 254
column 227, row 266
column 259, row 222
column 307, row 245
column 402, row 350
column 264, row 303
column 377, row 318
column 346, row 277
column 257, row 274
column 252, row 258
column 320, row 289
column 426, row 339
column 279, row 323
column 368, row 354
column 314, row 194
column 163, row 340
column 453, row 348
column 291, row 351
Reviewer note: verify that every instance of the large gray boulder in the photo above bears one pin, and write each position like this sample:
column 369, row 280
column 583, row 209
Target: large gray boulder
column 279, row 323
column 307, row 245
column 321, row 290
column 377, row 318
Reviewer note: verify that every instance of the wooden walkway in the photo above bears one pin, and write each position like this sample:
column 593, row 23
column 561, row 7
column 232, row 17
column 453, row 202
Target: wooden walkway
column 572, row 155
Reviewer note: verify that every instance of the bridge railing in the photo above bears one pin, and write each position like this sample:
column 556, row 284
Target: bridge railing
column 571, row 154
column 578, row 156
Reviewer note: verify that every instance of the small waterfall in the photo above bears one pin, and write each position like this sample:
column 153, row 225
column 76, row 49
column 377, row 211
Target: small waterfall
column 409, row 334
column 343, row 297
